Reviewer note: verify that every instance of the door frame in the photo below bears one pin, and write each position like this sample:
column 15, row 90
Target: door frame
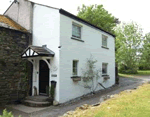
column 35, row 75
column 48, row 76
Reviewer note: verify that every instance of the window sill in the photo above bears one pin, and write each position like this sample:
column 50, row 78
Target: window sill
column 105, row 47
column 76, row 78
column 77, row 39
column 104, row 75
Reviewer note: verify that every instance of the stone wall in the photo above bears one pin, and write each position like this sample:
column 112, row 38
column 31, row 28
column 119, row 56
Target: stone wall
column 13, row 69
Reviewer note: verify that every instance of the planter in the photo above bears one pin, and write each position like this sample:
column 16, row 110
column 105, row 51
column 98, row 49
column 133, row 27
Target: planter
column 50, row 99
column 76, row 78
column 106, row 78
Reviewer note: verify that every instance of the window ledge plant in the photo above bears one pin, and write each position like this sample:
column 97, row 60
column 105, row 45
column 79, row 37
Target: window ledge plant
column 76, row 78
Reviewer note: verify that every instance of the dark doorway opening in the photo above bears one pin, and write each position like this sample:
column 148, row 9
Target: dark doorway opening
column 30, row 71
column 43, row 78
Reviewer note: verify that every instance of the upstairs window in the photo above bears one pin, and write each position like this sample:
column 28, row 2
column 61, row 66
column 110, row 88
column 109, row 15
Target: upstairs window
column 75, row 68
column 76, row 31
column 104, row 41
column 104, row 68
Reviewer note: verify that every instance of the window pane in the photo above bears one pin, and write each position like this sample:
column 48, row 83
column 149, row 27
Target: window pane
column 74, row 71
column 104, row 68
column 104, row 40
column 76, row 31
column 73, row 30
column 75, row 67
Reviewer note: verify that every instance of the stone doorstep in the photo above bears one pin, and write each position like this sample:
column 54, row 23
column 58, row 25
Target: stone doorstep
column 36, row 104
column 37, row 101
column 37, row 98
column 30, row 101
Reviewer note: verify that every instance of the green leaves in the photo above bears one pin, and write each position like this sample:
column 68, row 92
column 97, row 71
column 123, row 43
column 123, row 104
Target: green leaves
column 98, row 16
column 128, row 42
column 7, row 114
column 90, row 74
column 145, row 52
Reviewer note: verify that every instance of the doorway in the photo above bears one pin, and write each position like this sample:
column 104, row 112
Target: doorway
column 43, row 78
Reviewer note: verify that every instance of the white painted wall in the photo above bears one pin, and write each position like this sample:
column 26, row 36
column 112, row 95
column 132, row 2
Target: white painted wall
column 46, row 31
column 54, row 29
column 21, row 13
column 76, row 50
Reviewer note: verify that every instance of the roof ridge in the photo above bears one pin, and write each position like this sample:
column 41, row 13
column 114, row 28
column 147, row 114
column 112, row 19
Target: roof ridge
column 43, row 4
column 8, row 7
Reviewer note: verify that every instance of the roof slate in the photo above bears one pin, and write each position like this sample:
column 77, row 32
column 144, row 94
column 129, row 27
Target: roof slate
column 41, row 50
column 9, row 23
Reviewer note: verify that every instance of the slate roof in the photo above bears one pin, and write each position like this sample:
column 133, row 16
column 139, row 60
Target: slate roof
column 9, row 23
column 41, row 50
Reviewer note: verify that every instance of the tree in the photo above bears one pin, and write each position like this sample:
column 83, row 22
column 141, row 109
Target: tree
column 145, row 53
column 128, row 42
column 98, row 16
column 90, row 74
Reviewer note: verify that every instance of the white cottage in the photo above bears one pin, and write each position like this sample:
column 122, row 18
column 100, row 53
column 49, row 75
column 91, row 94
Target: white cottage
column 61, row 44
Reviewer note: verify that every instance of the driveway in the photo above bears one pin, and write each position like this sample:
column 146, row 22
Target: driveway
column 55, row 111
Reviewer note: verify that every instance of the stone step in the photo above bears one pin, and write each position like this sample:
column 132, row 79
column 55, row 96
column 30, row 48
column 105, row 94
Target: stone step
column 36, row 104
column 37, row 98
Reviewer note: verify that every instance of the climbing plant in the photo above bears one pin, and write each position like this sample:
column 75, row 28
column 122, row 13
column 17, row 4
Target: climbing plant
column 90, row 74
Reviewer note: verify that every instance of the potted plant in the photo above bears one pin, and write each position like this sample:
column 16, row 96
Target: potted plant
column 76, row 78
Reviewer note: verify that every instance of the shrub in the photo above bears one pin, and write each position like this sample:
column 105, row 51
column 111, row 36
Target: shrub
column 52, row 91
column 129, row 71
column 126, row 70
column 7, row 114
column 48, row 90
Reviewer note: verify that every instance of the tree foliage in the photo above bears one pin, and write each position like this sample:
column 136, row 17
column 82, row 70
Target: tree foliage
column 128, row 42
column 145, row 53
column 98, row 16
column 90, row 74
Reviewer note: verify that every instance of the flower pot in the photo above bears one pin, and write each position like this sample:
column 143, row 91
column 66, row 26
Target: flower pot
column 76, row 78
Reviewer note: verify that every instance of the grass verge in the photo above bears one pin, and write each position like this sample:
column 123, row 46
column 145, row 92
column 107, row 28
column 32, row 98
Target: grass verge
column 126, row 104
column 140, row 73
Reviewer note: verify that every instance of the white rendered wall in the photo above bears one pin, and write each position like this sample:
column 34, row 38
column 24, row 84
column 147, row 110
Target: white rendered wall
column 46, row 31
column 21, row 13
column 76, row 50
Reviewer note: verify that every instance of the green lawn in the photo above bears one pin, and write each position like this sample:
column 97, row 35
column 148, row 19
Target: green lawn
column 140, row 73
column 126, row 104
column 144, row 72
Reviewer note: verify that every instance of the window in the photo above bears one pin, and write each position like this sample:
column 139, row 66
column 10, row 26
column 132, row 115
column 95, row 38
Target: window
column 75, row 68
column 104, row 40
column 104, row 68
column 76, row 31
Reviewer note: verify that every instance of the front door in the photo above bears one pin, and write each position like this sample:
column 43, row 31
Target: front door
column 43, row 78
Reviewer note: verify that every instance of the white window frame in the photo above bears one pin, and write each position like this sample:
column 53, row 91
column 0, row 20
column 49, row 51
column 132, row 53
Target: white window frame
column 79, row 26
column 106, row 68
column 77, row 62
column 104, row 37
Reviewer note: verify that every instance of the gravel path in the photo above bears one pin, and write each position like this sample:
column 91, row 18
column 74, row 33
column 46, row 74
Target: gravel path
column 55, row 111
